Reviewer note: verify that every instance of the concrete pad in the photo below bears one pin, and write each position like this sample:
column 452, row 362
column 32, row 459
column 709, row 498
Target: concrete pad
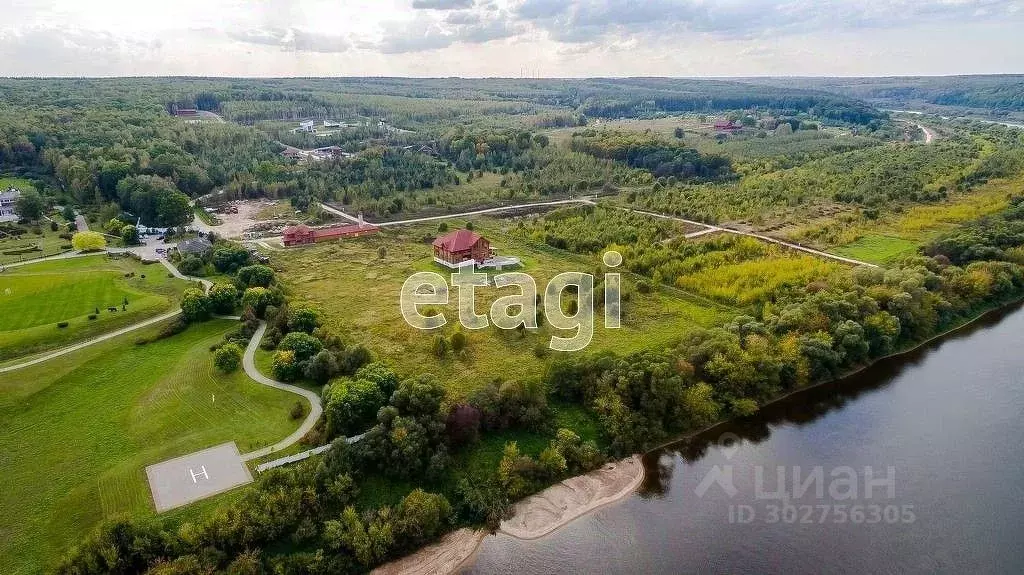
column 196, row 476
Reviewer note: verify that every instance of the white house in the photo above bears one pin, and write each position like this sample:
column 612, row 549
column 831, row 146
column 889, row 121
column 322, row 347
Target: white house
column 7, row 201
column 309, row 126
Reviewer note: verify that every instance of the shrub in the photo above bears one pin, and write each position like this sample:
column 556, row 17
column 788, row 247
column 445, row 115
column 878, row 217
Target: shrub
column 302, row 344
column 222, row 298
column 440, row 346
column 322, row 367
column 285, row 368
column 258, row 299
column 228, row 357
column 298, row 410
column 62, row 324
column 195, row 305
column 92, row 316
column 191, row 265
column 303, row 318
column 351, row 406
column 458, row 341
column 255, row 276
column 88, row 241
column 228, row 259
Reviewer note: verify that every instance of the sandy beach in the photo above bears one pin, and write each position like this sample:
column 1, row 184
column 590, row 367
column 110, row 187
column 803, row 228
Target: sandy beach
column 445, row 556
column 563, row 502
column 532, row 517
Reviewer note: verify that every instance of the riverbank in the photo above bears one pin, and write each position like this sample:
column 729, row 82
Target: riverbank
column 558, row 505
column 542, row 513
column 533, row 517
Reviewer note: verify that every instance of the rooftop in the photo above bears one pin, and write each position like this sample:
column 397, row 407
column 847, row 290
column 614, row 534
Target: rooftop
column 457, row 241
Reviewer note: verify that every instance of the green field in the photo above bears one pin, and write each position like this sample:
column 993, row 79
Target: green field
column 77, row 433
column 34, row 298
column 877, row 248
column 359, row 295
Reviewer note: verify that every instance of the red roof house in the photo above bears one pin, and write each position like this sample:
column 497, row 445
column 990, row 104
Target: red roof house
column 727, row 125
column 303, row 234
column 456, row 248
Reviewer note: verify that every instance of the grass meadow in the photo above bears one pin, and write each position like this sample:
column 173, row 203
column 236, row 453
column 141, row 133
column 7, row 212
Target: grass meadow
column 359, row 294
column 36, row 297
column 76, row 434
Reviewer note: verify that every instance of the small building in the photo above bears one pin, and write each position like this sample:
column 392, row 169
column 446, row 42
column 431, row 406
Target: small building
column 303, row 234
column 727, row 125
column 461, row 247
column 8, row 199
column 195, row 247
column 308, row 126
column 186, row 112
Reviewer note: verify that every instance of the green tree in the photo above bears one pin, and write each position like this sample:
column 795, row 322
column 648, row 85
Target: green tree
column 88, row 241
column 228, row 259
column 30, row 205
column 223, row 298
column 285, row 367
column 195, row 305
column 322, row 367
column 257, row 299
column 303, row 318
column 130, row 235
column 255, row 275
column 228, row 357
column 304, row 345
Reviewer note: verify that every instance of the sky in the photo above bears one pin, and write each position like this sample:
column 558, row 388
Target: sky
column 510, row 38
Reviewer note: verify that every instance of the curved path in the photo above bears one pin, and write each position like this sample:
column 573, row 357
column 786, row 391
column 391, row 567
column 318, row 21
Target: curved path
column 101, row 338
column 249, row 364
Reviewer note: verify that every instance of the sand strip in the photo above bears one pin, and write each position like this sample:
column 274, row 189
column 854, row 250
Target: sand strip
column 445, row 556
column 560, row 504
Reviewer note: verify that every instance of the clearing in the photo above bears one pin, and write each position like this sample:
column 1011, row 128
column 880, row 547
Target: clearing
column 91, row 423
column 359, row 294
column 36, row 297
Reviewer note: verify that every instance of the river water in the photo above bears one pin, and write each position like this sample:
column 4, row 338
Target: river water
column 939, row 429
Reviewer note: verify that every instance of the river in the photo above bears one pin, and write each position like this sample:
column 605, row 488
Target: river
column 940, row 429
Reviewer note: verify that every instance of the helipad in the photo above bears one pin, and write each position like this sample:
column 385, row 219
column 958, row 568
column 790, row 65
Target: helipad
column 196, row 476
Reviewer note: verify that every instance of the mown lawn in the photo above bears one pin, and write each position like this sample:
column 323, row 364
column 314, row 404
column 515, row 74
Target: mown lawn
column 77, row 433
column 36, row 297
column 359, row 294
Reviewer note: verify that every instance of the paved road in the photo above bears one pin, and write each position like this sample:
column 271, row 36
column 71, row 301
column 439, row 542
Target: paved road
column 709, row 228
column 249, row 364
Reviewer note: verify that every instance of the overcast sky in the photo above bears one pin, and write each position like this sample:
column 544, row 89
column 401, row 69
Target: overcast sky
column 510, row 37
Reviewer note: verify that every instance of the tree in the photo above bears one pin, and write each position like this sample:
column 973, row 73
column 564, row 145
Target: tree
column 285, row 368
column 255, row 275
column 322, row 367
column 257, row 299
column 30, row 205
column 421, row 517
column 303, row 318
column 88, row 241
column 228, row 357
column 195, row 305
column 68, row 213
column 380, row 374
column 130, row 235
column 458, row 341
column 228, row 259
column 223, row 298
column 302, row 344
column 191, row 265
column 351, row 406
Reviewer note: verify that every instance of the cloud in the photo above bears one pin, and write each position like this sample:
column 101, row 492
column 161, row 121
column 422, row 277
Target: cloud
column 425, row 33
column 441, row 4
column 292, row 39
column 591, row 20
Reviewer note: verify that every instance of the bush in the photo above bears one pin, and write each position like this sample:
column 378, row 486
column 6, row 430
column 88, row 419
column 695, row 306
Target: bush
column 92, row 316
column 302, row 344
column 228, row 357
column 440, row 346
column 298, row 410
column 285, row 368
column 258, row 298
column 303, row 318
column 222, row 298
column 195, row 305
column 191, row 265
column 62, row 324
column 458, row 341
column 255, row 276
column 228, row 259
column 88, row 241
